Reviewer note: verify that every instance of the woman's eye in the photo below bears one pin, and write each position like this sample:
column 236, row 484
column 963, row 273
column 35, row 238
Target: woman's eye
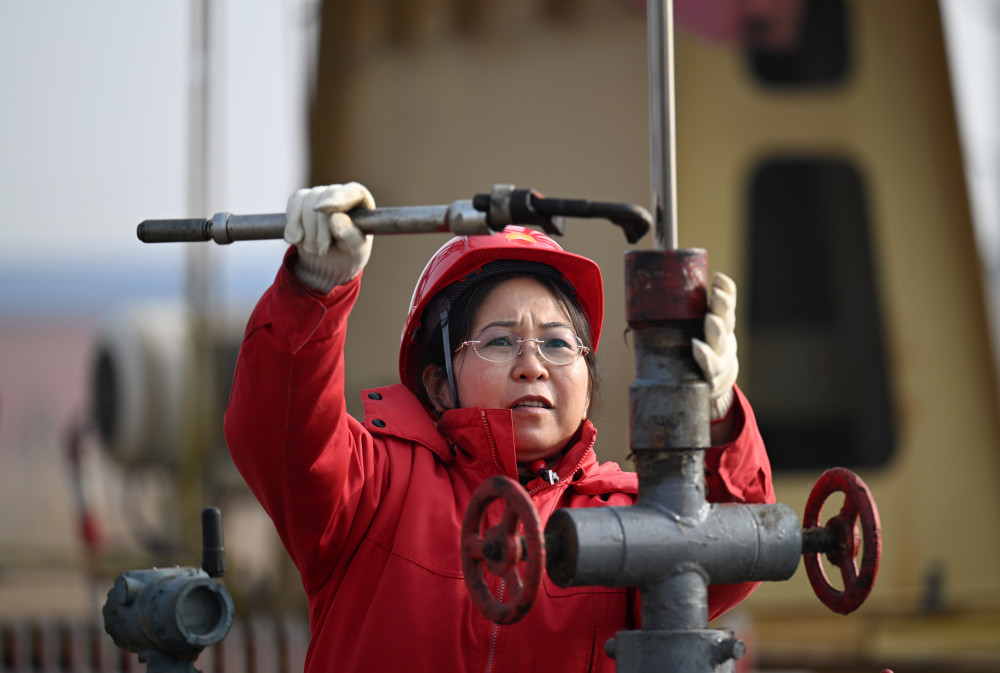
column 559, row 342
column 498, row 342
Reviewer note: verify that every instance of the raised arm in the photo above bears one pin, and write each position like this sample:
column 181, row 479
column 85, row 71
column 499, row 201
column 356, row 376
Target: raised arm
column 309, row 463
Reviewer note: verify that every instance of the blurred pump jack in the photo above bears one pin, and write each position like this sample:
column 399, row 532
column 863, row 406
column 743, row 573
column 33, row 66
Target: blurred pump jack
column 169, row 615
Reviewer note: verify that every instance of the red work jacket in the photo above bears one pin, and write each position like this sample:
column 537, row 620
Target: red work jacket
column 371, row 512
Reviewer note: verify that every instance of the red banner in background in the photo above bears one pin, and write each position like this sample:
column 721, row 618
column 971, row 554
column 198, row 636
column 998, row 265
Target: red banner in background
column 772, row 25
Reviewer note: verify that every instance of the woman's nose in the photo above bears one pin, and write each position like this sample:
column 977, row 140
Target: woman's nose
column 529, row 362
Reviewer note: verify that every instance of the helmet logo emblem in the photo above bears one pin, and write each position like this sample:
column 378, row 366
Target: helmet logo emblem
column 517, row 237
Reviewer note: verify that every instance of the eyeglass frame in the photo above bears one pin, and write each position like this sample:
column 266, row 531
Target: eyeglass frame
column 581, row 350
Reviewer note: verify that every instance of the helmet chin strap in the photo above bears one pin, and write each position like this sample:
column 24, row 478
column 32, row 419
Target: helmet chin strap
column 442, row 306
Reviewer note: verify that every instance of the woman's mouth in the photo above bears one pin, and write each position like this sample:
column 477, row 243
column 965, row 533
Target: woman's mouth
column 537, row 404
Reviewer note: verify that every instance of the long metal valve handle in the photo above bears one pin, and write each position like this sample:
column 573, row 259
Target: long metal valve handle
column 483, row 214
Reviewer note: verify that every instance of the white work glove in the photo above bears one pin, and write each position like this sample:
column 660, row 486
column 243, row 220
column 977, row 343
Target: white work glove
column 331, row 249
column 717, row 354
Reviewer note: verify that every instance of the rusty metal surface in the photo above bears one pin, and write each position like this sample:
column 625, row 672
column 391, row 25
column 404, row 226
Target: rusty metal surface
column 665, row 285
column 511, row 549
column 858, row 509
column 665, row 307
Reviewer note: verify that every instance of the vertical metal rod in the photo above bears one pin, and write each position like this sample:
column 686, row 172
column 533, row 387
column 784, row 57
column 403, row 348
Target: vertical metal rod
column 199, row 376
column 660, row 39
column 200, row 156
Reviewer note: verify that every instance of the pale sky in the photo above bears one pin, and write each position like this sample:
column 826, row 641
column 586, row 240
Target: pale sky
column 94, row 138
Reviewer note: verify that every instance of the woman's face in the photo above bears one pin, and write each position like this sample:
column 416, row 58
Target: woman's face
column 548, row 401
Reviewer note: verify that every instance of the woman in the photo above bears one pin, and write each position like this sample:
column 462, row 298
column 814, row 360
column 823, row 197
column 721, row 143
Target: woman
column 498, row 374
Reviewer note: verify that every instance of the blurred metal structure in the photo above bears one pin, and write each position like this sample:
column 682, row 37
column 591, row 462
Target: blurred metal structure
column 167, row 616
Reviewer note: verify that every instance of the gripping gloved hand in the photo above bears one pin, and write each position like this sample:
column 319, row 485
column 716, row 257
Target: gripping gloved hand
column 717, row 354
column 331, row 249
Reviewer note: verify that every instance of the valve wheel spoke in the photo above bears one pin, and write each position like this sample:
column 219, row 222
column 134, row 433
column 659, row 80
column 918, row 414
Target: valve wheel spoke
column 512, row 579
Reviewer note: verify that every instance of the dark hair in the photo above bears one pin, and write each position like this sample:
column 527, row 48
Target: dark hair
column 463, row 311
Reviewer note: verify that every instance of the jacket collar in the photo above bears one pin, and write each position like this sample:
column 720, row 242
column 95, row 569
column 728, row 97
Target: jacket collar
column 484, row 439
column 396, row 412
column 481, row 439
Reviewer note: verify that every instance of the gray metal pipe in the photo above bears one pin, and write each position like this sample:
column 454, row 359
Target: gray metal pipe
column 688, row 651
column 677, row 601
column 642, row 545
column 668, row 400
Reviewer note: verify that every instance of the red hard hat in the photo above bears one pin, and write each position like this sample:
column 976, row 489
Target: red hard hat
column 463, row 255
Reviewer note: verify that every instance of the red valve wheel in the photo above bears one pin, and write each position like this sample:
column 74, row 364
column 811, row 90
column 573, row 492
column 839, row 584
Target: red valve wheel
column 843, row 552
column 503, row 549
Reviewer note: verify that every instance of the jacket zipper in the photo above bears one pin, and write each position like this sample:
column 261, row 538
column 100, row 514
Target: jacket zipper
column 494, row 633
column 493, row 445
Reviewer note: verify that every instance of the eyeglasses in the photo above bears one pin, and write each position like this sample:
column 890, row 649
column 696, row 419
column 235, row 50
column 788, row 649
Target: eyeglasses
column 558, row 347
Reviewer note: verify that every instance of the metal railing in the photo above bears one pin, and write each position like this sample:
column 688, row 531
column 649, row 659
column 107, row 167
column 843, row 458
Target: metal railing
column 258, row 644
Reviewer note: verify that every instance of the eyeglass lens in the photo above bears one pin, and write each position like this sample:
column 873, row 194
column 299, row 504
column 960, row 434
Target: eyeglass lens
column 560, row 347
